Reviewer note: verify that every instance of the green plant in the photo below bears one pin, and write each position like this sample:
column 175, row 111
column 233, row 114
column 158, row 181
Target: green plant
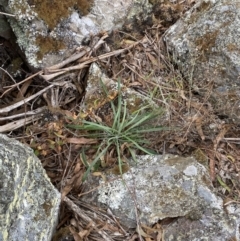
column 127, row 129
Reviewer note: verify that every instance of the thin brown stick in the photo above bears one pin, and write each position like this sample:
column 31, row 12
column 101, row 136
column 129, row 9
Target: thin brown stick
column 29, row 113
column 67, row 61
column 231, row 139
column 85, row 64
column 19, row 103
column 19, row 123
column 19, row 83
column 76, row 56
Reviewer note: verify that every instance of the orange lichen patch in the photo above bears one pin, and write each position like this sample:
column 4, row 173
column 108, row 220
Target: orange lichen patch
column 52, row 11
column 47, row 45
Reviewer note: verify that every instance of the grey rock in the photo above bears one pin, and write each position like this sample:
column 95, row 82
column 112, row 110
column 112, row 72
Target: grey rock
column 48, row 41
column 29, row 203
column 205, row 44
column 158, row 187
column 213, row 226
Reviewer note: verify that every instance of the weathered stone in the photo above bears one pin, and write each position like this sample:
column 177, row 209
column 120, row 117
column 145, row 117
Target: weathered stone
column 205, row 44
column 214, row 225
column 47, row 32
column 166, row 187
column 29, row 203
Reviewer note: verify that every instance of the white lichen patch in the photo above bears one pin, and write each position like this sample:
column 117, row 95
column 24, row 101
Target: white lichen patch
column 112, row 194
column 190, row 171
column 82, row 26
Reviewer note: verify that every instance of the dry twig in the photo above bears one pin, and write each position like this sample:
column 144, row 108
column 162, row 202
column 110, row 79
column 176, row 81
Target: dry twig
column 81, row 214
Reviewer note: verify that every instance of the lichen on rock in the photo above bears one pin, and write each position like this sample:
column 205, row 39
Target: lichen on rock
column 29, row 203
column 38, row 26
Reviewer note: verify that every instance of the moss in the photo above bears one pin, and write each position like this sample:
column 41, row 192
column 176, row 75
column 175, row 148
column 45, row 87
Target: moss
column 52, row 11
column 204, row 6
column 33, row 41
column 134, row 103
column 47, row 206
column 15, row 66
column 231, row 47
column 47, row 45
column 167, row 12
column 199, row 11
column 62, row 234
column 206, row 43
column 200, row 156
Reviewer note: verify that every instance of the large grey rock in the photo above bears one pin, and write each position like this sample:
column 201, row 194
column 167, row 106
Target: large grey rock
column 29, row 203
column 48, row 31
column 160, row 187
column 205, row 44
column 213, row 226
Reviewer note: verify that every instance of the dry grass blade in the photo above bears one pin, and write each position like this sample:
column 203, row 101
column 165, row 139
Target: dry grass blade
column 22, row 102
column 81, row 141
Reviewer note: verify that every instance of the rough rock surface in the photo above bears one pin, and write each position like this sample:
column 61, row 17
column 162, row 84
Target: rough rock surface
column 205, row 44
column 29, row 203
column 48, row 32
column 95, row 98
column 166, row 187
column 214, row 225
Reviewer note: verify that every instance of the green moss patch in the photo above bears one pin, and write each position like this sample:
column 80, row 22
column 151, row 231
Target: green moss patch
column 47, row 45
column 52, row 11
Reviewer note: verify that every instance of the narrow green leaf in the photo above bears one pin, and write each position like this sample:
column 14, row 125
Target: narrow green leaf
column 120, row 129
column 133, row 154
column 117, row 117
column 141, row 121
column 133, row 119
column 154, row 129
column 119, row 158
column 84, row 159
column 223, row 184
column 94, row 162
column 76, row 127
column 137, row 146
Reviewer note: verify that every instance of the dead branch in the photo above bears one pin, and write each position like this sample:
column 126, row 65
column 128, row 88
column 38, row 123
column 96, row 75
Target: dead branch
column 86, row 63
column 19, row 123
column 19, row 103
column 74, row 57
column 81, row 214
column 29, row 113
column 19, row 83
